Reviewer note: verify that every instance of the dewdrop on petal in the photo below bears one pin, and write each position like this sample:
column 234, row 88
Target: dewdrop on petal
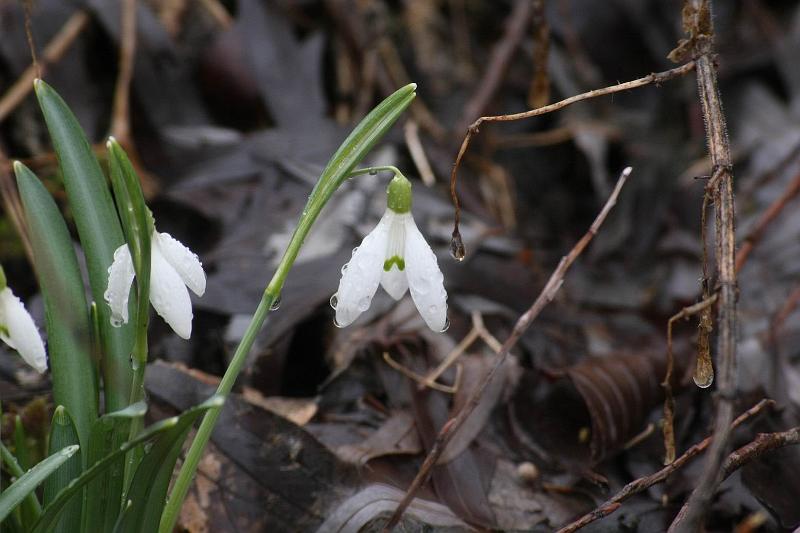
column 396, row 256
column 173, row 268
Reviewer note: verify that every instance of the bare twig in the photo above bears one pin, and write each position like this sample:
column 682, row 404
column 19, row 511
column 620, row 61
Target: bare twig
column 502, row 52
column 763, row 443
column 424, row 381
column 54, row 50
column 644, row 483
column 539, row 93
column 545, row 297
column 698, row 19
column 120, row 115
column 669, row 402
column 417, row 151
column 656, row 77
column 13, row 205
column 765, row 220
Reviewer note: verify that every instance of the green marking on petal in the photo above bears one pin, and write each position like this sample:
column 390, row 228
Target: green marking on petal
column 394, row 260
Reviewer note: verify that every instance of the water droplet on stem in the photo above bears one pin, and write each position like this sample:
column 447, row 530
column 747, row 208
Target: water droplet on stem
column 457, row 249
column 276, row 304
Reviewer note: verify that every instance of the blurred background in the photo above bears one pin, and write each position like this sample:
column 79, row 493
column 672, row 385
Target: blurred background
column 233, row 109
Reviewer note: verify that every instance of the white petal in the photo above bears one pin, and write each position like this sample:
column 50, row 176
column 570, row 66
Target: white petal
column 120, row 278
column 362, row 276
column 394, row 282
column 22, row 333
column 425, row 280
column 183, row 260
column 169, row 296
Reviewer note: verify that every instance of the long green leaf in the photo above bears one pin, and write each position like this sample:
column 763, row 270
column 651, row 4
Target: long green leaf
column 104, row 493
column 148, row 490
column 51, row 513
column 71, row 365
column 63, row 434
column 99, row 231
column 27, row 483
column 30, row 505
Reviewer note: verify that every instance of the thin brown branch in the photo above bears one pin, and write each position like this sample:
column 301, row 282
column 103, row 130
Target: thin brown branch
column 457, row 246
column 705, row 365
column 763, row 443
column 13, row 205
column 765, row 220
column 516, row 25
column 523, row 323
column 54, row 50
column 698, row 18
column 639, row 485
column 120, row 115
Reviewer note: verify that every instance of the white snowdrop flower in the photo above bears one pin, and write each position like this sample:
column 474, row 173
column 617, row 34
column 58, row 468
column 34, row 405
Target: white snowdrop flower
column 173, row 267
column 18, row 330
column 394, row 255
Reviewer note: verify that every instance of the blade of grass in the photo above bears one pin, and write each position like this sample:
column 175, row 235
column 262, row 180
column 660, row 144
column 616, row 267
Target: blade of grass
column 67, row 315
column 99, row 231
column 360, row 141
column 63, row 434
column 27, row 483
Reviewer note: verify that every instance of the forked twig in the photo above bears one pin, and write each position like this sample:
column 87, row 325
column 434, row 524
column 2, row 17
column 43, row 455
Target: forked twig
column 638, row 485
column 655, row 77
column 546, row 296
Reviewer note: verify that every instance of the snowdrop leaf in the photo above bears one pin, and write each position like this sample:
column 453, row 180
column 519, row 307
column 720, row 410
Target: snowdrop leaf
column 99, row 231
column 71, row 365
column 63, row 434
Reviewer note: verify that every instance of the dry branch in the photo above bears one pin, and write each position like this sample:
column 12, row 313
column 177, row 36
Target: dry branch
column 545, row 297
column 698, row 22
column 644, row 483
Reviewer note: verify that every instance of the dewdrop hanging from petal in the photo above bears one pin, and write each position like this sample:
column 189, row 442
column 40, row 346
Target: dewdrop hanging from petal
column 173, row 268
column 18, row 330
column 396, row 256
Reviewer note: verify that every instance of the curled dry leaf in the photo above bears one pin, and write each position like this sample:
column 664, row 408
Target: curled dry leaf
column 591, row 409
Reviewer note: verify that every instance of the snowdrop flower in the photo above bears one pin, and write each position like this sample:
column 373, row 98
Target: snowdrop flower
column 173, row 267
column 18, row 330
column 394, row 255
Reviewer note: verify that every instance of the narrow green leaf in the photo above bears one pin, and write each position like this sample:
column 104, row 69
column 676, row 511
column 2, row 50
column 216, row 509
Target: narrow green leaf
column 27, row 483
column 21, row 445
column 30, row 505
column 104, row 493
column 67, row 315
column 99, row 231
column 148, row 492
column 63, row 434
column 51, row 513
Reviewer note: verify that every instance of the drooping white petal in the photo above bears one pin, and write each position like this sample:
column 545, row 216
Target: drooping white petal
column 120, row 278
column 363, row 274
column 425, row 280
column 168, row 294
column 394, row 282
column 183, row 260
column 18, row 331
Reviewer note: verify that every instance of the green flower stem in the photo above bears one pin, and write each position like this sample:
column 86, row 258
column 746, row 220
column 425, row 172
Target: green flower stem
column 360, row 141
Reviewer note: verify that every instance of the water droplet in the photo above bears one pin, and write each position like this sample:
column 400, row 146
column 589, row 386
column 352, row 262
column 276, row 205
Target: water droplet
column 457, row 249
column 147, row 447
column 116, row 322
column 422, row 286
column 336, row 323
column 134, row 363
column 363, row 303
column 355, row 250
column 373, row 172
column 334, row 300
column 344, row 268
column 276, row 304
column 446, row 325
column 704, row 372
